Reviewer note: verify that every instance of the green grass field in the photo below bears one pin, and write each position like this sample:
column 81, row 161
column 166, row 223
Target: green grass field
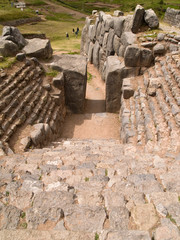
column 56, row 32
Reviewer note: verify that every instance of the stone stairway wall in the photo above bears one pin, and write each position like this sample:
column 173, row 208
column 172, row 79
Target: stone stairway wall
column 90, row 189
column 150, row 109
column 25, row 102
column 172, row 16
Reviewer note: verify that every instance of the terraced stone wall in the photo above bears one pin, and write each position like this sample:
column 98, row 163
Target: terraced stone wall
column 30, row 115
column 150, row 112
column 108, row 36
column 172, row 16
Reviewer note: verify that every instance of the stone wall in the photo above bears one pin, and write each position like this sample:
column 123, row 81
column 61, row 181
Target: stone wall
column 105, row 43
column 172, row 16
column 74, row 75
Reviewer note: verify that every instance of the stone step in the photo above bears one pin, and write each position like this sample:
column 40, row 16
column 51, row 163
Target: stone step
column 8, row 79
column 44, row 111
column 97, row 189
column 150, row 130
column 17, row 81
column 22, row 111
column 72, row 235
column 171, row 83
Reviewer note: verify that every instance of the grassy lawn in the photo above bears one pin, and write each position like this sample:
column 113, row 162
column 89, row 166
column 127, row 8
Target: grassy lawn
column 56, row 32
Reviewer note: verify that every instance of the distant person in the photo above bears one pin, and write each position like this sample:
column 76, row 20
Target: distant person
column 67, row 35
column 73, row 30
column 77, row 30
column 37, row 12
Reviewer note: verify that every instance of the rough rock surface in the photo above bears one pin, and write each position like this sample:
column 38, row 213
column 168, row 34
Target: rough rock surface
column 14, row 35
column 113, row 84
column 138, row 18
column 88, row 189
column 8, row 48
column 74, row 68
column 39, row 48
column 151, row 19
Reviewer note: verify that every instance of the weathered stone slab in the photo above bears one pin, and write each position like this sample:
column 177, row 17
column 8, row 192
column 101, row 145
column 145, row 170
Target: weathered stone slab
column 10, row 217
column 8, row 48
column 151, row 18
column 96, row 54
column 126, row 235
column 85, row 219
column 48, row 235
column 15, row 36
column 144, row 216
column 48, row 206
column 113, row 84
column 39, row 48
column 138, row 18
column 74, row 68
column 138, row 57
column 109, row 48
column 118, row 25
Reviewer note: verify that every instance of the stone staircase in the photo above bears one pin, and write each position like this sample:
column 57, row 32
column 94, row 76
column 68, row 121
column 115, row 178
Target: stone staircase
column 25, row 102
column 152, row 113
column 90, row 189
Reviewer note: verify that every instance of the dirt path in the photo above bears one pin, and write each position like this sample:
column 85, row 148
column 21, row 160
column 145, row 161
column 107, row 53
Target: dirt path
column 95, row 123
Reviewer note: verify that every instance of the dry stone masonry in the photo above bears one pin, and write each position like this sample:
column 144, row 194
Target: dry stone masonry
column 172, row 16
column 26, row 106
column 112, row 35
column 74, row 69
column 12, row 42
column 140, row 82
column 94, row 189
column 88, row 190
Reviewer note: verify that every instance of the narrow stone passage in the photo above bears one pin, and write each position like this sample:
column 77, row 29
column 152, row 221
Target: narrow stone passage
column 95, row 123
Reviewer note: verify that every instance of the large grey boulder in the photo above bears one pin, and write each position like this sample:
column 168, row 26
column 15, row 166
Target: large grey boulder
column 132, row 56
column 128, row 38
column 74, row 68
column 138, row 57
column 151, row 18
column 116, row 44
column 138, row 18
column 118, row 25
column 128, row 23
column 14, row 35
column 8, row 48
column 159, row 49
column 113, row 84
column 90, row 52
column 96, row 54
column 110, row 50
column 39, row 48
column 84, row 34
column 109, row 22
column 92, row 32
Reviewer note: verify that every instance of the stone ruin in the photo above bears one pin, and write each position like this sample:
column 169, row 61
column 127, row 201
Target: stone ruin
column 32, row 108
column 94, row 189
column 141, row 74
column 13, row 42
